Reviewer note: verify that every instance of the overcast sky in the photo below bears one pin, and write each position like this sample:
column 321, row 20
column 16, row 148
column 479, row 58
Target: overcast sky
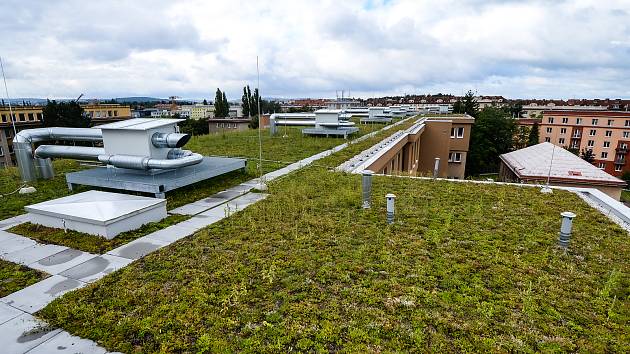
column 528, row 49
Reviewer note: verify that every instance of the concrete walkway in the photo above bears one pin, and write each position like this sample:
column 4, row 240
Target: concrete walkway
column 70, row 269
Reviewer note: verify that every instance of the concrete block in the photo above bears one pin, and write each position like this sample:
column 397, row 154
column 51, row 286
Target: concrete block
column 10, row 243
column 170, row 234
column 96, row 268
column 33, row 253
column 138, row 248
column 64, row 342
column 24, row 333
column 35, row 297
column 8, row 312
column 61, row 261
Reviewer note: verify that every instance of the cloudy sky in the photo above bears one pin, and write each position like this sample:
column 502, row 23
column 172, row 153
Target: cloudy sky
column 555, row 49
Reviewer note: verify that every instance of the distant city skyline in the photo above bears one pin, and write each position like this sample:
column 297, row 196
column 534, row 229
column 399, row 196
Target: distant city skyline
column 525, row 49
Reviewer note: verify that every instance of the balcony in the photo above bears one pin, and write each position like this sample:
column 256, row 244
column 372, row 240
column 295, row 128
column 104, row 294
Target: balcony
column 622, row 150
column 620, row 161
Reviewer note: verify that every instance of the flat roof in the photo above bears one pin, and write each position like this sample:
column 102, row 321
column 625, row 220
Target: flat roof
column 534, row 162
column 594, row 113
column 140, row 123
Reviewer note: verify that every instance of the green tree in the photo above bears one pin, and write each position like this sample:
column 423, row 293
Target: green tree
column 533, row 135
column 470, row 105
column 218, row 105
column 205, row 102
column 491, row 136
column 587, row 155
column 225, row 106
column 245, row 101
column 458, row 107
column 626, row 177
column 64, row 114
column 521, row 137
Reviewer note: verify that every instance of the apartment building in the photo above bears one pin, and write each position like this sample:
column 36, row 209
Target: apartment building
column 28, row 117
column 415, row 151
column 605, row 133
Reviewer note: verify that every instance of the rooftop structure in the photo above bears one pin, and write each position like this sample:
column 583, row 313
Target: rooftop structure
column 538, row 163
column 328, row 123
column 98, row 213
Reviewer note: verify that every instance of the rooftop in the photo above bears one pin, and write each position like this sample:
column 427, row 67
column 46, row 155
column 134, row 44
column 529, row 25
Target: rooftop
column 535, row 161
column 140, row 123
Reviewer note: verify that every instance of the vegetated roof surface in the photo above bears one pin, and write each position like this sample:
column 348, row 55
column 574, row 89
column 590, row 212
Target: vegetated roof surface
column 465, row 267
column 14, row 277
column 546, row 159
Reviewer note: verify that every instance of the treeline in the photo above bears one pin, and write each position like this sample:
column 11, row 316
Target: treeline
column 249, row 103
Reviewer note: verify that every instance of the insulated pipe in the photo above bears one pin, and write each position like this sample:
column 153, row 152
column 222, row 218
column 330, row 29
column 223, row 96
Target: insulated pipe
column 171, row 140
column 71, row 152
column 147, row 163
column 23, row 141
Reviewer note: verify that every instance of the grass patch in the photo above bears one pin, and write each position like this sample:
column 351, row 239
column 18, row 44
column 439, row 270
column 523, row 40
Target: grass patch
column 91, row 243
column 464, row 268
column 625, row 196
column 14, row 277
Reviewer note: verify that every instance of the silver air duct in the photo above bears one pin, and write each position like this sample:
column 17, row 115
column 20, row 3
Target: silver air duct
column 147, row 163
column 171, row 140
column 24, row 140
column 69, row 152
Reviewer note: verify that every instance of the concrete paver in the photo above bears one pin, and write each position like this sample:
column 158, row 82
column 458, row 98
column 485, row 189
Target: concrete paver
column 33, row 253
column 35, row 297
column 61, row 261
column 137, row 248
column 8, row 312
column 64, row 342
column 24, row 333
column 96, row 268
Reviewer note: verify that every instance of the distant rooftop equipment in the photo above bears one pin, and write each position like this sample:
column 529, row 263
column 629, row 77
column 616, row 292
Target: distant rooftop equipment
column 140, row 154
column 98, row 213
column 328, row 123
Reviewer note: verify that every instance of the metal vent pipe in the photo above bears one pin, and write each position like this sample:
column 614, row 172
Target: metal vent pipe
column 367, row 188
column 24, row 140
column 171, row 140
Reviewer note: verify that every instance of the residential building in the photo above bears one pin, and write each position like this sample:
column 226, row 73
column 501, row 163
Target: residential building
column 414, row 153
column 605, row 133
column 200, row 111
column 535, row 110
column 222, row 125
column 28, row 117
column 545, row 162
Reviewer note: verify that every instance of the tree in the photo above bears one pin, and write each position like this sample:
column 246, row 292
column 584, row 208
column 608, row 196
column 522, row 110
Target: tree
column 491, row 136
column 533, row 135
column 469, row 104
column 205, row 103
column 458, row 107
column 218, row 105
column 245, row 101
column 64, row 114
column 587, row 155
column 225, row 106
column 626, row 177
column 521, row 137
column 516, row 109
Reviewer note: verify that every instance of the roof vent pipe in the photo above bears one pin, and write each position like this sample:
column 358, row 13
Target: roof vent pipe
column 366, row 183
column 436, row 168
column 391, row 199
column 565, row 229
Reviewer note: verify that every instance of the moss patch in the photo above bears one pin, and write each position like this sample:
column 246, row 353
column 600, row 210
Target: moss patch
column 14, row 277
column 91, row 243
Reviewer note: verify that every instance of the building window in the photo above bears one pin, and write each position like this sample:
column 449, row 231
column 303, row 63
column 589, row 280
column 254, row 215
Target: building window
column 549, row 129
column 457, row 132
column 454, row 157
column 590, row 143
column 1, row 151
column 623, row 146
column 592, row 132
column 115, row 113
column 4, row 118
column 547, row 139
column 109, row 113
column 608, row 132
column 618, row 168
column 563, row 130
column 578, row 120
column 627, row 123
column 39, row 116
column 610, row 122
column 565, row 120
column 561, row 141
column 606, row 144
column 22, row 117
column 601, row 165
column 594, row 121
column 626, row 134
column 550, row 120
column 30, row 116
column 604, row 155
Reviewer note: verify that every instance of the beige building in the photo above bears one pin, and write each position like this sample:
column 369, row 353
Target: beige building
column 222, row 125
column 605, row 133
column 199, row 111
column 545, row 162
column 414, row 152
